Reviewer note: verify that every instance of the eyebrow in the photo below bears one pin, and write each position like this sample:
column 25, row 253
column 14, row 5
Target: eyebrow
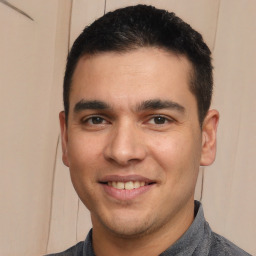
column 90, row 104
column 155, row 104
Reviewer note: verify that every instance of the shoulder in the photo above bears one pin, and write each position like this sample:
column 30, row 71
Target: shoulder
column 223, row 247
column 75, row 250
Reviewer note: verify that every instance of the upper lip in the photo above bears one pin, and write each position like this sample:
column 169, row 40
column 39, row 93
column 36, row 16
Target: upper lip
column 127, row 178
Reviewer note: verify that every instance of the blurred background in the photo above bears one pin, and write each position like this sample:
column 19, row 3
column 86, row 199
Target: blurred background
column 40, row 212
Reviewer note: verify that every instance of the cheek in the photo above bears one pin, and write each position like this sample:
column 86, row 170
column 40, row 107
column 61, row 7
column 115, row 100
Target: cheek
column 178, row 154
column 83, row 154
column 83, row 150
column 169, row 149
column 84, row 163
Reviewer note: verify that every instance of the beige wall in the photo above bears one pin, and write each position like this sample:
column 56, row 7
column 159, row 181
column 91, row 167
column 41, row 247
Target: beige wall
column 230, row 184
column 40, row 211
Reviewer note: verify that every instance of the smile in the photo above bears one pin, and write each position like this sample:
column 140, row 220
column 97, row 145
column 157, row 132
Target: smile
column 126, row 187
column 129, row 185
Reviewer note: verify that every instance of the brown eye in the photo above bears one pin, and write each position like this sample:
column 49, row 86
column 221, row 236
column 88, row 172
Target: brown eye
column 96, row 120
column 159, row 120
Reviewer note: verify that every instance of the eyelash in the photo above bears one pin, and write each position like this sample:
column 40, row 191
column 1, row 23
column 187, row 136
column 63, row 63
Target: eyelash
column 166, row 119
column 87, row 120
column 103, row 120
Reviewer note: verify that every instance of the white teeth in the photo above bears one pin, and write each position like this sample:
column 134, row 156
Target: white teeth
column 120, row 185
column 142, row 183
column 136, row 184
column 114, row 184
column 126, row 185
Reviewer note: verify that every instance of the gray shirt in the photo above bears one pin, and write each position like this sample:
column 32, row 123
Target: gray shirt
column 198, row 240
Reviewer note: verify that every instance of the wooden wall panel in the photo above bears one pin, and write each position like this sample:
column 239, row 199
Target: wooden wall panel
column 230, row 191
column 30, row 65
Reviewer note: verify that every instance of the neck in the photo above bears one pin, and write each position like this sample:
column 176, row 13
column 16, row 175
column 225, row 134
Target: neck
column 106, row 242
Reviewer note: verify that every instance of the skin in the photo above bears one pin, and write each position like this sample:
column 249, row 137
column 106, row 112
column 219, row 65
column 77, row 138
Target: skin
column 165, row 145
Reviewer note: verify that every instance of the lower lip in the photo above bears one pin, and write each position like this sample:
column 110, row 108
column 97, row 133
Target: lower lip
column 126, row 194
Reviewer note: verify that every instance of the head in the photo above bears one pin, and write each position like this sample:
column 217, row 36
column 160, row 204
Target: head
column 145, row 26
column 136, row 126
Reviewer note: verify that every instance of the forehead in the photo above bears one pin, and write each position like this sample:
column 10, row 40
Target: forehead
column 131, row 76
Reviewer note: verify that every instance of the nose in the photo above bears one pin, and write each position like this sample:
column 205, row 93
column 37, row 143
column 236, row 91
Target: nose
column 125, row 145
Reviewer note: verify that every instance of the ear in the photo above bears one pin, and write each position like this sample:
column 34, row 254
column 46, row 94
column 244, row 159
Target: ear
column 209, row 132
column 64, row 138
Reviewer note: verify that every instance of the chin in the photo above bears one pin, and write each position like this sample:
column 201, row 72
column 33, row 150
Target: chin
column 130, row 227
column 129, row 232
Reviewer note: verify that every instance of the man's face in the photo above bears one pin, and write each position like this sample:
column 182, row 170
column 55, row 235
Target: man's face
column 133, row 141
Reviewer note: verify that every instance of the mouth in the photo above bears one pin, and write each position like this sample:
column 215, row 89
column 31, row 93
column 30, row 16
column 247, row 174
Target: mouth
column 129, row 185
column 126, row 188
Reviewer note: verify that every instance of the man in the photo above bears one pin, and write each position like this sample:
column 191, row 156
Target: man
column 135, row 129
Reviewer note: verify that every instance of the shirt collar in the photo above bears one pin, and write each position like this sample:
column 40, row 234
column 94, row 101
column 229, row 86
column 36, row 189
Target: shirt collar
column 189, row 241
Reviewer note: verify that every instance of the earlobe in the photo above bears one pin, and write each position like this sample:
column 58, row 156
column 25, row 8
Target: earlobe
column 209, row 134
column 64, row 138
